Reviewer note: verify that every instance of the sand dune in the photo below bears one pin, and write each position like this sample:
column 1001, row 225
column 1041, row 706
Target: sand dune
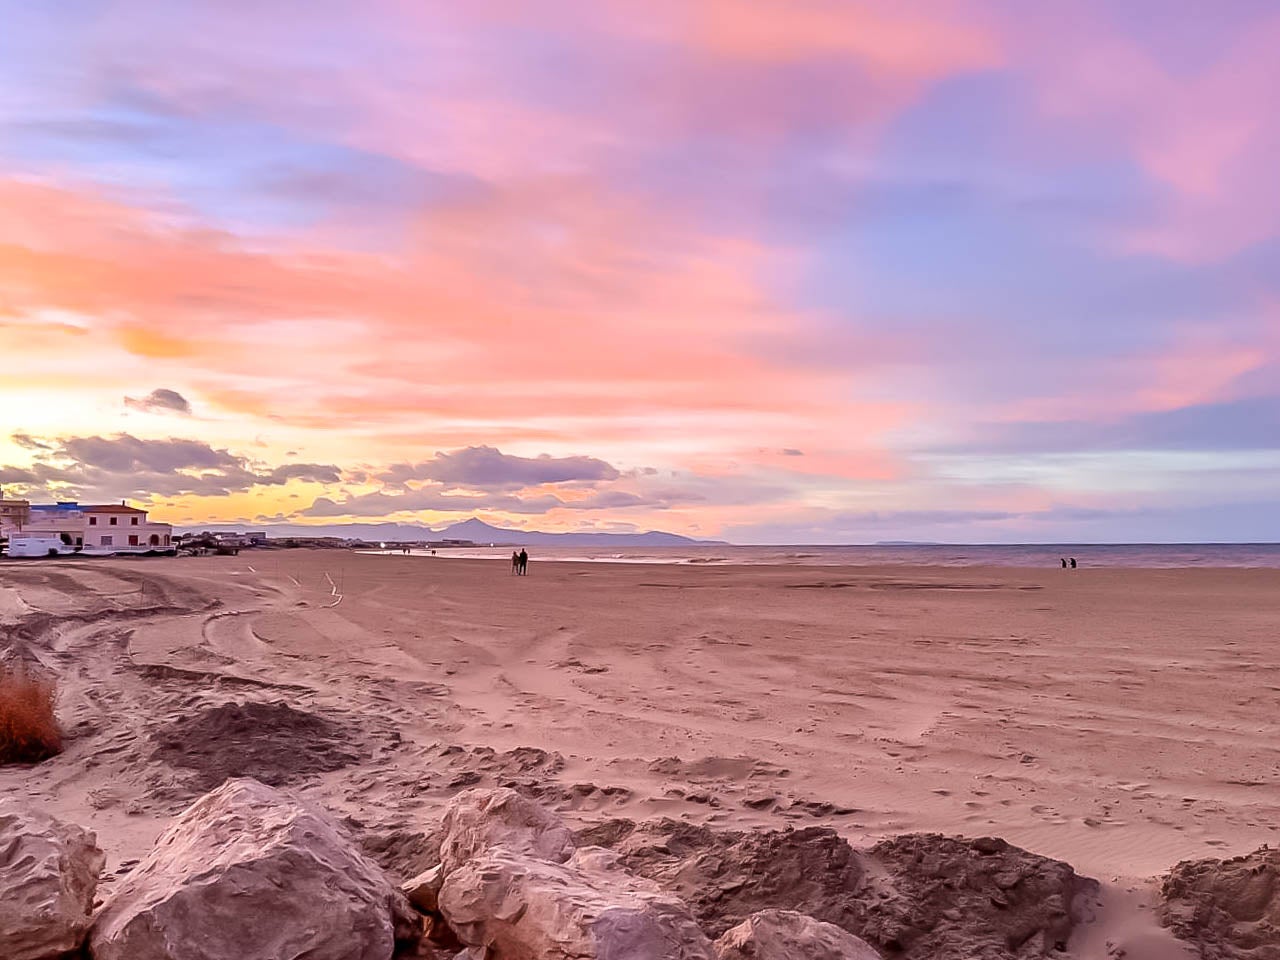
column 1120, row 720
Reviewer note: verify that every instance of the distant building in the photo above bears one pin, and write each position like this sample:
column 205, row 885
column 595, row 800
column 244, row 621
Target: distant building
column 118, row 528
column 96, row 529
column 13, row 514
column 64, row 520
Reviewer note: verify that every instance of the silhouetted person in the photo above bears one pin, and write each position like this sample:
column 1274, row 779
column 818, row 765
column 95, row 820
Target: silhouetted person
column 524, row 562
column 515, row 562
column 1073, row 563
column 1064, row 563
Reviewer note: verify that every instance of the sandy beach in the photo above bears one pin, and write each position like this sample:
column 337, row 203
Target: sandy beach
column 1120, row 720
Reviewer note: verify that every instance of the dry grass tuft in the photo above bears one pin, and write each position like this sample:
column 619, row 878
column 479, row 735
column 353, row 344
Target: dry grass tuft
column 28, row 728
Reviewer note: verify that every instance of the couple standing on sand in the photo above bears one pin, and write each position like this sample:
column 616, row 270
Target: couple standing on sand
column 519, row 562
column 1068, row 560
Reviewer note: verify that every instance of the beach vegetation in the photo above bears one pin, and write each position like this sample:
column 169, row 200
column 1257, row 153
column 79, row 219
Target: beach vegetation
column 29, row 730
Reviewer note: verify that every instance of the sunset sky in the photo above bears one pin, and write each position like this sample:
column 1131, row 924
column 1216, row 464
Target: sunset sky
column 780, row 271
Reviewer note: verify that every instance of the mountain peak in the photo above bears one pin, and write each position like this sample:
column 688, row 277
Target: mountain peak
column 475, row 525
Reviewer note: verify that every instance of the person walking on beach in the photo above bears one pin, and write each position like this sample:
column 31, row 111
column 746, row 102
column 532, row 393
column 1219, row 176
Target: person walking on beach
column 1073, row 563
column 515, row 562
column 1064, row 563
column 524, row 563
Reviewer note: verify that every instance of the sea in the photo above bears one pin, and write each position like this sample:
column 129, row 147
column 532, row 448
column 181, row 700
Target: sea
column 1168, row 555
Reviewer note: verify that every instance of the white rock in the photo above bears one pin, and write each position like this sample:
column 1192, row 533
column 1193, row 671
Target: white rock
column 530, row 909
column 514, row 886
column 787, row 935
column 48, row 874
column 251, row 873
column 478, row 820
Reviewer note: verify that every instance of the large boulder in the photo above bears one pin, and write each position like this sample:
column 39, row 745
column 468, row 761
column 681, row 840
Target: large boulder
column 48, row 874
column 479, row 820
column 514, row 885
column 955, row 898
column 251, row 873
column 787, row 935
column 588, row 906
column 1230, row 909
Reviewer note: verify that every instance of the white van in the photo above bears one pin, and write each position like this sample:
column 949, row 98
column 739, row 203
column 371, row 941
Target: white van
column 38, row 546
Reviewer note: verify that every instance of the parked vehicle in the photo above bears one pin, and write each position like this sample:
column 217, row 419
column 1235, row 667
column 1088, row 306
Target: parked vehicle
column 38, row 546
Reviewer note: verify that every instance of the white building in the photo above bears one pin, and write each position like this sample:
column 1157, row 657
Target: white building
column 62, row 520
column 97, row 529
column 117, row 528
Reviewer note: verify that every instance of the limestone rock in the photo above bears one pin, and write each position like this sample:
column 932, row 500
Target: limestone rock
column 478, row 820
column 1230, row 909
column 588, row 906
column 787, row 935
column 515, row 886
column 48, row 874
column 251, row 873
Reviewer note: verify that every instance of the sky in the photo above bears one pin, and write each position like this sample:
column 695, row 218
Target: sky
column 772, row 271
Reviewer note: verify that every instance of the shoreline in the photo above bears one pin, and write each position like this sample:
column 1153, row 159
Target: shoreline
column 1011, row 557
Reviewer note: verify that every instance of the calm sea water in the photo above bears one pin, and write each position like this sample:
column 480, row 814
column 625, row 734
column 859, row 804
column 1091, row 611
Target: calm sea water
column 952, row 555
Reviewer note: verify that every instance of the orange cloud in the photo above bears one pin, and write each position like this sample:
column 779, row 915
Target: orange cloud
column 889, row 38
column 552, row 307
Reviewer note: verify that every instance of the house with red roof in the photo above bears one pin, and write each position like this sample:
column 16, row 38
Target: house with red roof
column 98, row 529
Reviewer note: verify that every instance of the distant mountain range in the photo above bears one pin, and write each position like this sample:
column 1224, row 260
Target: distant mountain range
column 475, row 530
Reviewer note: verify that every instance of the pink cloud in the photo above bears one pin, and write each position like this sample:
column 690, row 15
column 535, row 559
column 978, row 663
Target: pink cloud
column 1205, row 135
column 613, row 323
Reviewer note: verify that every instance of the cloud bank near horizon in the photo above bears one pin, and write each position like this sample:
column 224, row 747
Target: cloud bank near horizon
column 803, row 271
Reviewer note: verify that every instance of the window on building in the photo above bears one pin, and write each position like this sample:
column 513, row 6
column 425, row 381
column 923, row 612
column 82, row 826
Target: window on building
column 134, row 521
column 133, row 539
column 112, row 521
column 105, row 541
column 93, row 521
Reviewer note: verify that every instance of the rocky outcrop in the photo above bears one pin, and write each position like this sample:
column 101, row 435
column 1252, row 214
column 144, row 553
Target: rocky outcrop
column 48, row 874
column 251, row 873
column 786, row 935
column 726, row 876
column 1229, row 909
column 514, row 885
column 915, row 896
column 948, row 898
